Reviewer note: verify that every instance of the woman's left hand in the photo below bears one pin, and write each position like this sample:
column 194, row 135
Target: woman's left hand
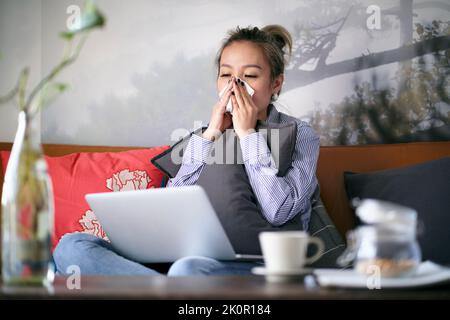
column 245, row 112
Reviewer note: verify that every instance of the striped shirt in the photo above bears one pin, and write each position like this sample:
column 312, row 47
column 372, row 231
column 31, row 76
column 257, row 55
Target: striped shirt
column 279, row 198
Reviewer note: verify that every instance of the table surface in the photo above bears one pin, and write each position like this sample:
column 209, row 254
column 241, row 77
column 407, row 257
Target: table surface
column 210, row 287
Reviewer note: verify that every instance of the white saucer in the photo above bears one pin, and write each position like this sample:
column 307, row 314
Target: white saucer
column 427, row 274
column 285, row 273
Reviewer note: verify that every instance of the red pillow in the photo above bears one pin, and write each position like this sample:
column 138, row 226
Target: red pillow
column 77, row 174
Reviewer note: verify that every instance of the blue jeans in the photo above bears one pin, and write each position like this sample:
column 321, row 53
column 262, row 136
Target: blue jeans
column 95, row 256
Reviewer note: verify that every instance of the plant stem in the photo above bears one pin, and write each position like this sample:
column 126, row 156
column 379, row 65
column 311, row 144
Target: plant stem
column 67, row 60
column 68, row 49
column 22, row 88
column 23, row 74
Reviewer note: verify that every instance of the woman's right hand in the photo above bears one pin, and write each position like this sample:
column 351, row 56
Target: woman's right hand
column 220, row 118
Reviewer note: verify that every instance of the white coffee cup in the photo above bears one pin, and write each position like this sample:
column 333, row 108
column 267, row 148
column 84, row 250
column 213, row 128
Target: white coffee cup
column 285, row 251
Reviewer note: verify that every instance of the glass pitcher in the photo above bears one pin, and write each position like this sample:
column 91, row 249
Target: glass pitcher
column 387, row 241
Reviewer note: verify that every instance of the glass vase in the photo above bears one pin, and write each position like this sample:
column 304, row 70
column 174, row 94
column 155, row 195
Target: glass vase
column 27, row 211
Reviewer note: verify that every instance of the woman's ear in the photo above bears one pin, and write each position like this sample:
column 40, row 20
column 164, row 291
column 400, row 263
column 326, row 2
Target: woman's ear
column 277, row 84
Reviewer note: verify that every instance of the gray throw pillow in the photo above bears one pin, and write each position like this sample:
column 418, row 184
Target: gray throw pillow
column 321, row 226
column 424, row 187
column 232, row 197
column 164, row 161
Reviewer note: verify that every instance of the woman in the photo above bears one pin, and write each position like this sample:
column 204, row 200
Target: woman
column 257, row 57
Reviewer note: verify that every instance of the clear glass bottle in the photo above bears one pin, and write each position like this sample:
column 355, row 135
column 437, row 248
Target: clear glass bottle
column 27, row 211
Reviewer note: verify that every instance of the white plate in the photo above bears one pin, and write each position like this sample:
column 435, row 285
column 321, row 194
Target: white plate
column 427, row 274
column 286, row 273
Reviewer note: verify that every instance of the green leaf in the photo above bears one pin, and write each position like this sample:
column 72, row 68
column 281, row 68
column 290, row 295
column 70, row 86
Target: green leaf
column 66, row 35
column 51, row 92
column 61, row 87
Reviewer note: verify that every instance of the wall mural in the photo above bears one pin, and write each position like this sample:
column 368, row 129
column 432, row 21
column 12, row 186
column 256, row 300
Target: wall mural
column 362, row 71
column 411, row 105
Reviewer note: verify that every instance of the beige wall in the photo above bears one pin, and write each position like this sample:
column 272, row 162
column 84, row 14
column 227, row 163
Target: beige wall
column 20, row 46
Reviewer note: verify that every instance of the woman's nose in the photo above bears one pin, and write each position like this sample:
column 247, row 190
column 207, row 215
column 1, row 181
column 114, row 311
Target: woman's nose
column 235, row 77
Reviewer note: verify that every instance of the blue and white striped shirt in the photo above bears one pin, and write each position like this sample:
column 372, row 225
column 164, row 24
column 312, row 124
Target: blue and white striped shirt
column 279, row 198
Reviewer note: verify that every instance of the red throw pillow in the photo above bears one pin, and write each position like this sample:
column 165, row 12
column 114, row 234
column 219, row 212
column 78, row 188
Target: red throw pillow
column 76, row 174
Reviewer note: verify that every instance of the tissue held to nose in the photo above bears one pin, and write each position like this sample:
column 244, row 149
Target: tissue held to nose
column 229, row 104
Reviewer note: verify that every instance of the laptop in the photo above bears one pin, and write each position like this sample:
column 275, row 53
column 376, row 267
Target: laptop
column 163, row 224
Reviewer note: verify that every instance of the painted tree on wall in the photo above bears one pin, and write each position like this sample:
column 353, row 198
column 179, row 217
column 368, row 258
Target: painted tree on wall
column 413, row 109
column 414, row 112
column 318, row 41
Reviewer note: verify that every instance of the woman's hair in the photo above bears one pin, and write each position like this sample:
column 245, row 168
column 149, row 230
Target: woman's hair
column 272, row 39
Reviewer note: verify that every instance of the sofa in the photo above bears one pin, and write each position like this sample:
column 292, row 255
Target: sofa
column 333, row 162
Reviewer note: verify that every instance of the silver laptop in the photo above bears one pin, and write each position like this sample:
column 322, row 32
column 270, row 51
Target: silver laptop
column 163, row 224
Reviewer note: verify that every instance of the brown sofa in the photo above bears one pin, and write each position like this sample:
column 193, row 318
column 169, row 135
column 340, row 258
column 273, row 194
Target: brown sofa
column 333, row 161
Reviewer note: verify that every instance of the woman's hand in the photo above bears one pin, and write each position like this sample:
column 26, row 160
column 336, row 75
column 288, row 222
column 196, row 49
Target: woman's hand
column 245, row 113
column 220, row 119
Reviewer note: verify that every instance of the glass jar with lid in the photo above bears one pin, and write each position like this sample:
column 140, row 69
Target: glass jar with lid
column 386, row 243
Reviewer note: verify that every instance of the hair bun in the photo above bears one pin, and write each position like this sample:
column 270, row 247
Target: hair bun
column 280, row 36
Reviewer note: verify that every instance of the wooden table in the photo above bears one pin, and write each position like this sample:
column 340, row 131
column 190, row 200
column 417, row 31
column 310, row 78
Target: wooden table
column 212, row 287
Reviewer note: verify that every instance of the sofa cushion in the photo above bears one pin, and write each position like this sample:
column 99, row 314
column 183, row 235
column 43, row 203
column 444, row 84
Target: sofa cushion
column 321, row 226
column 424, row 187
column 74, row 175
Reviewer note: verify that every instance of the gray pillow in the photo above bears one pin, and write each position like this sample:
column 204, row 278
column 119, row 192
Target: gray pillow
column 164, row 161
column 232, row 197
column 424, row 187
column 321, row 225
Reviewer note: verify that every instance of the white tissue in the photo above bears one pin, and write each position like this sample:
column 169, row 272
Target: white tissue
column 229, row 107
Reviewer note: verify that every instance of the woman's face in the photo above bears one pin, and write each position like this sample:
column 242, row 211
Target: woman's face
column 246, row 60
